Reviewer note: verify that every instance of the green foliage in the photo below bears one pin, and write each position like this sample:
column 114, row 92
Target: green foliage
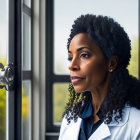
column 134, row 63
column 3, row 109
column 2, row 114
column 60, row 98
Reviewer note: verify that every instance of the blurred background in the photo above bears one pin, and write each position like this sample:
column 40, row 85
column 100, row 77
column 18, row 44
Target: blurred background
column 33, row 35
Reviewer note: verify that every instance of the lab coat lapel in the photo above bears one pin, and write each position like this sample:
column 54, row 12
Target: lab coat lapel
column 72, row 131
column 101, row 132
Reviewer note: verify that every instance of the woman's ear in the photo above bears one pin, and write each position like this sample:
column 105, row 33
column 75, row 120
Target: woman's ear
column 113, row 62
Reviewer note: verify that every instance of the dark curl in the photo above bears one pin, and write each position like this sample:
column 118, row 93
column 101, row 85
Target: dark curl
column 123, row 88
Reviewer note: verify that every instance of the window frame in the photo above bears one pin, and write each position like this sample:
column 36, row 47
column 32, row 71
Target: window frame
column 51, row 78
column 13, row 98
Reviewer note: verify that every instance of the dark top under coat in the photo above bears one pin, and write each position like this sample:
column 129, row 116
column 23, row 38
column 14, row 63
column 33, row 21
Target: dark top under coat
column 87, row 127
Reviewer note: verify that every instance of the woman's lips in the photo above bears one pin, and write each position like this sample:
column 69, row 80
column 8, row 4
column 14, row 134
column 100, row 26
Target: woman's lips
column 76, row 79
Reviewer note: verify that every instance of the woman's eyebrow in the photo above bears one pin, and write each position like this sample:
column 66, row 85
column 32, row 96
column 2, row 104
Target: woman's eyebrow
column 79, row 49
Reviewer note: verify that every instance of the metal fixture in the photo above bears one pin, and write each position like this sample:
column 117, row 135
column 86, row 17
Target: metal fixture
column 6, row 76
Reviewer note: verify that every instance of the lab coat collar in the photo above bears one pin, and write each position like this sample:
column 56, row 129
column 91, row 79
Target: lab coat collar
column 101, row 132
column 72, row 130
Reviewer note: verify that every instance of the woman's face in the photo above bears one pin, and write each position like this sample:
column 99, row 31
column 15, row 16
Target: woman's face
column 88, row 66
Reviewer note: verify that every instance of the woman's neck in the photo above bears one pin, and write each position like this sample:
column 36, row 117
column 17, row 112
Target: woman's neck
column 97, row 99
column 98, row 95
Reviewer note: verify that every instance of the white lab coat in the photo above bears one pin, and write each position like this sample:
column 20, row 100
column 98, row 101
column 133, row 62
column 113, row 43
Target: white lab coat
column 127, row 129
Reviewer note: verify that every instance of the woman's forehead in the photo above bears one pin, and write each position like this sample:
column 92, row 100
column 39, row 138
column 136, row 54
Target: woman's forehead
column 82, row 40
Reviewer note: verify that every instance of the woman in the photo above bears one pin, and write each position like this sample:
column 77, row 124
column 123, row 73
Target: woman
column 104, row 99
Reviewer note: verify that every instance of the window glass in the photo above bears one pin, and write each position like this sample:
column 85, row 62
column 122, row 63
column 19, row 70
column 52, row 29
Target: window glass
column 60, row 96
column 27, row 2
column 134, row 61
column 3, row 47
column 3, row 114
column 26, row 81
column 65, row 12
column 26, row 109
column 26, row 42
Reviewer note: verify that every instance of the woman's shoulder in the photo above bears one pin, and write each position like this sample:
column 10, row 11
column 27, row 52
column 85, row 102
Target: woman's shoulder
column 130, row 116
column 134, row 123
column 134, row 114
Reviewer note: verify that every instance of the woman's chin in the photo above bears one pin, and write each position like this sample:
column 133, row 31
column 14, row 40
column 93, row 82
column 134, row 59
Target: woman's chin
column 78, row 89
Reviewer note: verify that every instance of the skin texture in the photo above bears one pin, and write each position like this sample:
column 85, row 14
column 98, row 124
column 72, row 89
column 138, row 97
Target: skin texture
column 91, row 68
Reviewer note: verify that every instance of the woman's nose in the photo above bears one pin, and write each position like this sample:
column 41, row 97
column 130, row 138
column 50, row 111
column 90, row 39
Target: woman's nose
column 74, row 65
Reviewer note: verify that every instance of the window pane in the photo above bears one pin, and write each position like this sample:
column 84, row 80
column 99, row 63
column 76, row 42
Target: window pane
column 3, row 47
column 134, row 62
column 27, row 2
column 65, row 12
column 26, row 110
column 60, row 96
column 26, row 43
column 2, row 114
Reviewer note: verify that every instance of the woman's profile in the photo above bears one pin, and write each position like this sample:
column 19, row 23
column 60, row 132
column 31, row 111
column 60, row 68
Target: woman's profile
column 104, row 100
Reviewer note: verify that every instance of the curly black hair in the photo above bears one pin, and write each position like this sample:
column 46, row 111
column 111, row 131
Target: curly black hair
column 123, row 88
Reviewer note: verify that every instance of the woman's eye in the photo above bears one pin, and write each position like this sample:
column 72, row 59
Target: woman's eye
column 85, row 55
column 69, row 58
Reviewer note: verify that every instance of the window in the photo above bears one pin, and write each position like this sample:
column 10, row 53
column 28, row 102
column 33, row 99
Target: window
column 10, row 50
column 53, row 81
column 15, row 46
column 60, row 16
